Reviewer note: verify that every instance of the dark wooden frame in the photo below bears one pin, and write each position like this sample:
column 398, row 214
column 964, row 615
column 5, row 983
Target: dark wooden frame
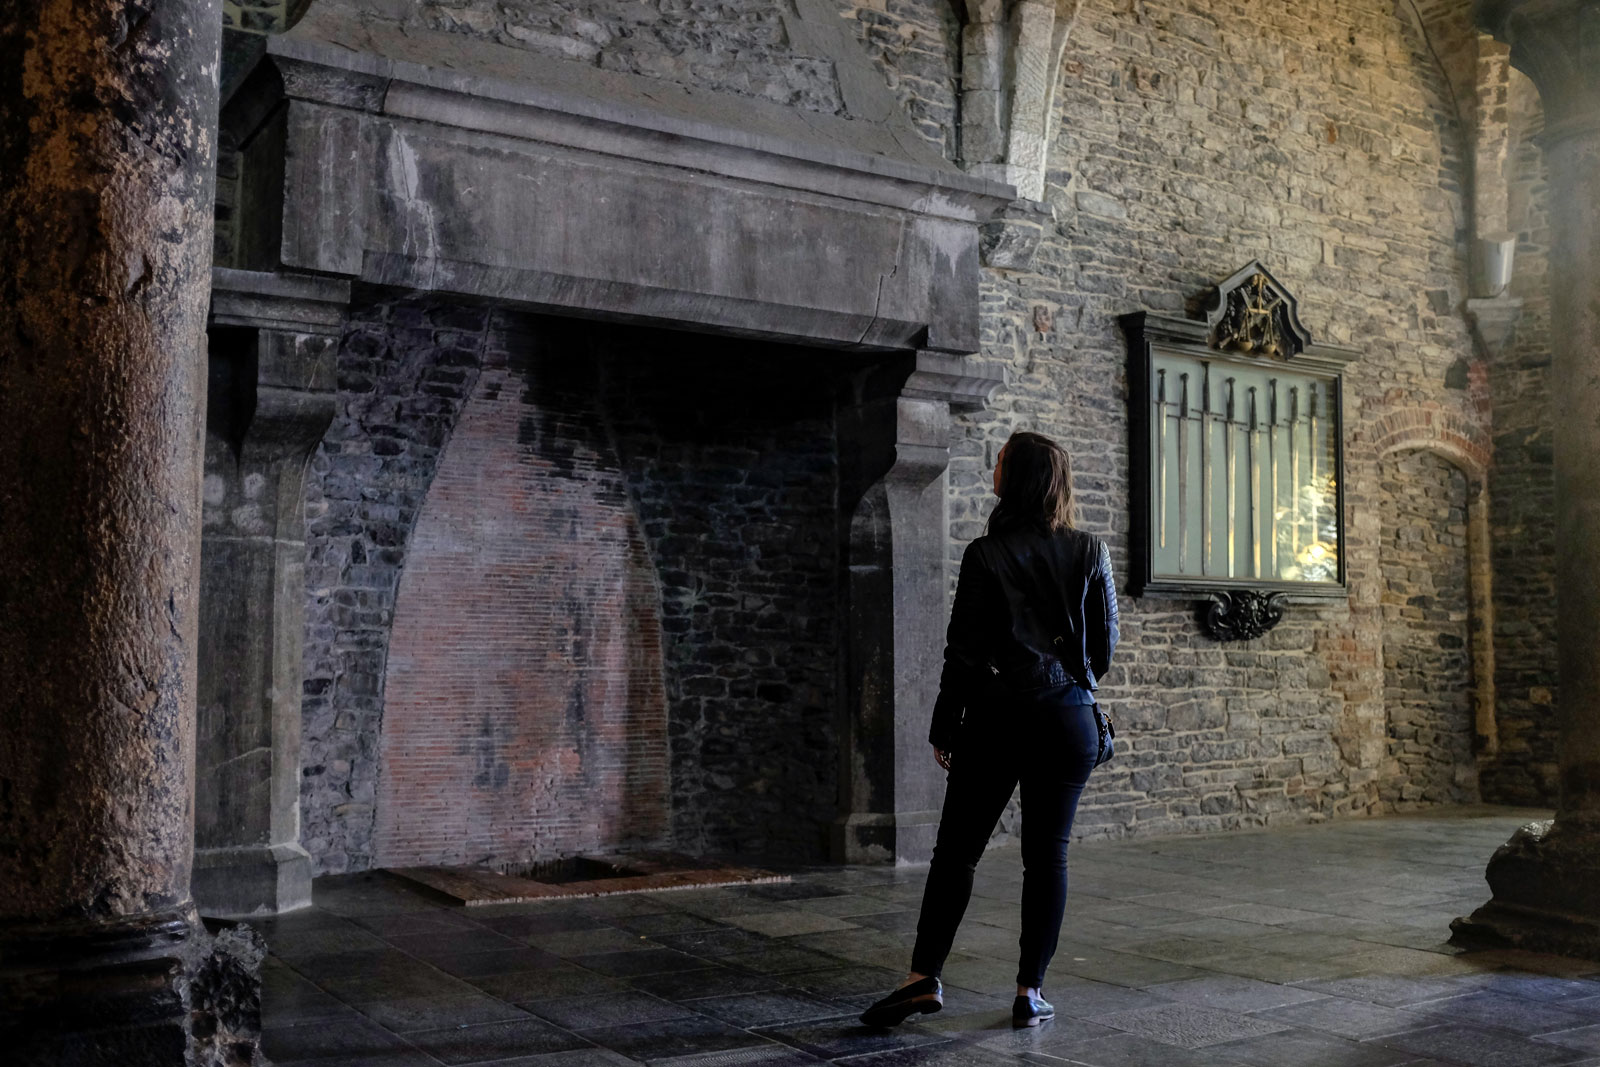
column 1209, row 339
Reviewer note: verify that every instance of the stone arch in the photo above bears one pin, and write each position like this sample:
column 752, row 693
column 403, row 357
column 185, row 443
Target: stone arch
column 1464, row 446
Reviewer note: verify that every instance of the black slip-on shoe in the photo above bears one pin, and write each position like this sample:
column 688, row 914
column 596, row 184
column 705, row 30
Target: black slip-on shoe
column 925, row 995
column 1031, row 1011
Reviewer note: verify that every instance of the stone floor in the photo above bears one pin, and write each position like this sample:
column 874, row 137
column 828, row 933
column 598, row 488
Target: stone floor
column 1309, row 947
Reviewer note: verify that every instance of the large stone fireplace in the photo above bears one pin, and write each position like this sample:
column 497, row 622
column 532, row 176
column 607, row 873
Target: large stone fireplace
column 628, row 524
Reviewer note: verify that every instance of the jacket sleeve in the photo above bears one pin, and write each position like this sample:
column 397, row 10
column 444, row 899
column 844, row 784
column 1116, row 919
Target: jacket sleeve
column 1100, row 614
column 964, row 657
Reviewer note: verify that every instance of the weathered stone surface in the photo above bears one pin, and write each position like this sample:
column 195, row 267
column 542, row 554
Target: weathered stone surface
column 108, row 133
column 270, row 398
column 1422, row 501
column 404, row 371
column 479, row 170
column 1521, row 491
column 524, row 706
column 1176, row 180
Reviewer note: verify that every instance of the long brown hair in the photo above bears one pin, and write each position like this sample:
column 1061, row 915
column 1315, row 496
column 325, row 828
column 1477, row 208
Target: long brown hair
column 1035, row 485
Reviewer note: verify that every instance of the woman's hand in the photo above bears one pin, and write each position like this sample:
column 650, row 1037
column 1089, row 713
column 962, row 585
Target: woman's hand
column 941, row 757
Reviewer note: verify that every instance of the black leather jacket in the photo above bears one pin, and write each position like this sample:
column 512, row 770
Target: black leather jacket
column 1026, row 601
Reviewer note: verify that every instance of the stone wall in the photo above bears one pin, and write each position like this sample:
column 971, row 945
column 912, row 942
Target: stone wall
column 1321, row 139
column 1422, row 504
column 1522, row 488
column 729, row 452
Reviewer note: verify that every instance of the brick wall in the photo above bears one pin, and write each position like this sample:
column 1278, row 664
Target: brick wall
column 524, row 712
column 1422, row 504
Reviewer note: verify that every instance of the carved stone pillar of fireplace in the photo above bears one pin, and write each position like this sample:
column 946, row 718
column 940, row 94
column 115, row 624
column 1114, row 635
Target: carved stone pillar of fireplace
column 894, row 455
column 274, row 339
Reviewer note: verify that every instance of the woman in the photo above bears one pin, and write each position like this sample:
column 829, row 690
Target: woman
column 1032, row 630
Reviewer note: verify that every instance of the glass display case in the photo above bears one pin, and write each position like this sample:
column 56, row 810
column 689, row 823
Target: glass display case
column 1237, row 458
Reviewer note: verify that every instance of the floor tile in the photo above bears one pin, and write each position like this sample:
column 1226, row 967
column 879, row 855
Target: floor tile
column 1357, row 1019
column 562, row 980
column 606, row 1009
column 495, row 1041
column 1392, row 990
column 481, row 964
column 1501, row 1012
column 1128, row 1050
column 1187, row 1025
column 845, row 981
column 711, row 981
column 646, row 961
column 667, row 922
column 1477, row 1047
column 447, row 942
column 837, row 1038
column 787, row 923
column 332, row 1042
column 778, row 959
column 433, row 1013
column 1585, row 1039
column 767, row 1008
column 672, row 1037
column 521, row 925
column 714, row 941
column 1232, row 993
column 569, row 944
column 1308, row 1049
column 766, row 1054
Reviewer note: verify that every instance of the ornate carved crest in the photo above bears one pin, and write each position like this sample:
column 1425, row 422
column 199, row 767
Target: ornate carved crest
column 1256, row 315
column 1243, row 614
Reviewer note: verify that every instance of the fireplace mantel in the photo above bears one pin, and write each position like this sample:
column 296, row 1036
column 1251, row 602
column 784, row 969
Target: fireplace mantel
column 422, row 162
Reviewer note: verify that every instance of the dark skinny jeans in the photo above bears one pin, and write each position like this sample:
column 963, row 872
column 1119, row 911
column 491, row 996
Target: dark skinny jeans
column 1049, row 745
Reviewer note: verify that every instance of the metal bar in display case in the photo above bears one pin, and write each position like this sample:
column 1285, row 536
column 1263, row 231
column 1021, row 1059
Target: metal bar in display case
column 1161, row 457
column 1311, row 502
column 1230, row 473
column 1253, row 444
column 1272, row 476
column 1205, row 468
column 1183, row 471
column 1294, row 471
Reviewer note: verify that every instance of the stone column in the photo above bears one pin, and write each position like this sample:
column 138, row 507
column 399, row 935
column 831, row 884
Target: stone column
column 107, row 132
column 274, row 341
column 894, row 454
column 1546, row 879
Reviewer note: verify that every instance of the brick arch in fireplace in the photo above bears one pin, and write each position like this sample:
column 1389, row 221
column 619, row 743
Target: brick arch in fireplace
column 525, row 711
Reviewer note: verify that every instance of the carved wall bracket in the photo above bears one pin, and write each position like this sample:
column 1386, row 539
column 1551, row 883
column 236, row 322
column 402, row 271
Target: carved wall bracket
column 1242, row 614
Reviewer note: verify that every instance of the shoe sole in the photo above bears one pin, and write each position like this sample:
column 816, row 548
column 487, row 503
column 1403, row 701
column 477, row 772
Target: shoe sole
column 899, row 1013
column 1034, row 1020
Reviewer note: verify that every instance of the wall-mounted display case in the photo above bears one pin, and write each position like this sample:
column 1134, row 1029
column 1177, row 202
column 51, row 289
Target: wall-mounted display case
column 1237, row 425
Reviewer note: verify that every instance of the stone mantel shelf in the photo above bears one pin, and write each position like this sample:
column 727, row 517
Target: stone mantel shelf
column 551, row 186
column 633, row 117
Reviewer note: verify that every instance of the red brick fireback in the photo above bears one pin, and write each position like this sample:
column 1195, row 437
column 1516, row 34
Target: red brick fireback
column 525, row 713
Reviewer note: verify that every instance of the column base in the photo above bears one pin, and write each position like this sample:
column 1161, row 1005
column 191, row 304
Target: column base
column 901, row 838
column 1546, row 886
column 254, row 880
column 143, row 991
